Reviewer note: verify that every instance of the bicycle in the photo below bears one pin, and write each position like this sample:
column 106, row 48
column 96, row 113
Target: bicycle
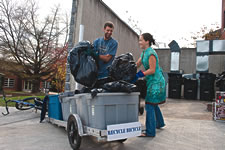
column 23, row 104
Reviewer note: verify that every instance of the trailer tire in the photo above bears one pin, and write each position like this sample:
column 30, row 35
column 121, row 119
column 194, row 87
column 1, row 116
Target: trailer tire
column 141, row 110
column 73, row 134
column 140, row 106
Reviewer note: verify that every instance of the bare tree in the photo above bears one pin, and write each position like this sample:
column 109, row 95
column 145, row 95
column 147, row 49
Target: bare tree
column 134, row 24
column 32, row 42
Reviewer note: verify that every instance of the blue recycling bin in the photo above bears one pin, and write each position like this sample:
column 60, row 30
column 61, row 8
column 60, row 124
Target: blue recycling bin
column 54, row 107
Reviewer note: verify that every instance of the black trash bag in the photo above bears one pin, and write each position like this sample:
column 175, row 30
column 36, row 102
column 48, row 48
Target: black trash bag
column 87, row 73
column 120, row 86
column 73, row 57
column 123, row 68
column 83, row 90
column 100, row 82
column 82, row 66
column 95, row 91
column 142, row 87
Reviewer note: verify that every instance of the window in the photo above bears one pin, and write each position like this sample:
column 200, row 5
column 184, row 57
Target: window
column 27, row 85
column 175, row 61
column 46, row 84
column 9, row 83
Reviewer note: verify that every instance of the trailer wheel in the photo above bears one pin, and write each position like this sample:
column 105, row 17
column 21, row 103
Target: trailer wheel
column 121, row 141
column 140, row 107
column 141, row 110
column 73, row 134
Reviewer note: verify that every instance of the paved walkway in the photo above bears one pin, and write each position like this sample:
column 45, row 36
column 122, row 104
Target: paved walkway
column 189, row 126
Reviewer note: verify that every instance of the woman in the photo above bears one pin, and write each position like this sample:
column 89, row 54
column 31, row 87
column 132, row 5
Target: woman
column 156, row 92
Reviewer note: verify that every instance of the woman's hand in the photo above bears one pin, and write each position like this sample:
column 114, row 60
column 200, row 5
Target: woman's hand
column 140, row 74
column 138, row 63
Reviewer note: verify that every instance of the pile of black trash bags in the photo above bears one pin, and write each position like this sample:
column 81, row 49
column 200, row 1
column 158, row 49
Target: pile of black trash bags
column 84, row 69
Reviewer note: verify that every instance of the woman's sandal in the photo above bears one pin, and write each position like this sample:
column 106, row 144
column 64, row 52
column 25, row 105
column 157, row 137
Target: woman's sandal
column 144, row 135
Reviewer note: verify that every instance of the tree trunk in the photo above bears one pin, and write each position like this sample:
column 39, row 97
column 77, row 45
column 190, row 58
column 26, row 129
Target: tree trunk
column 36, row 86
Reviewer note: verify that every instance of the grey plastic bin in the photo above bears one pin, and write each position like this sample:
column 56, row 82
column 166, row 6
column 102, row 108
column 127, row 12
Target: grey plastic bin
column 107, row 109
column 68, row 106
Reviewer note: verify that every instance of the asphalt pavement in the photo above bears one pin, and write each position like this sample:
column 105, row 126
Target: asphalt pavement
column 189, row 126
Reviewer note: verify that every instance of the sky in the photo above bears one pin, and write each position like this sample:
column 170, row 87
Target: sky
column 166, row 20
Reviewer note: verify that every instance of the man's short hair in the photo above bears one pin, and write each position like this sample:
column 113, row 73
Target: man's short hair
column 109, row 24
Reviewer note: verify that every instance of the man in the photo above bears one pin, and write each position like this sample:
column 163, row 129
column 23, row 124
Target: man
column 106, row 48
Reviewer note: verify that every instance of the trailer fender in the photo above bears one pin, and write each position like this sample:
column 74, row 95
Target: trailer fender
column 79, row 124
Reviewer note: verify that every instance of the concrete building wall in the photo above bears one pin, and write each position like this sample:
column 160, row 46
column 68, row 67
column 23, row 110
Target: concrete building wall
column 164, row 59
column 188, row 60
column 216, row 63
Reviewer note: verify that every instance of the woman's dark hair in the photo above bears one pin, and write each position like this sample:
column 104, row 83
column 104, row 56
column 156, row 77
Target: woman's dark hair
column 148, row 37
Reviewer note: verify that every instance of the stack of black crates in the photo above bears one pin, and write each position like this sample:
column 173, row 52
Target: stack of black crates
column 207, row 90
column 207, row 84
column 190, row 88
column 175, row 83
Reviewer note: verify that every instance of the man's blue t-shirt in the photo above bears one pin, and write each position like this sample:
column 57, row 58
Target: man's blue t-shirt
column 105, row 47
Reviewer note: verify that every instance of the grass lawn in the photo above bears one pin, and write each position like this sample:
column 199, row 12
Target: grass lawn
column 19, row 96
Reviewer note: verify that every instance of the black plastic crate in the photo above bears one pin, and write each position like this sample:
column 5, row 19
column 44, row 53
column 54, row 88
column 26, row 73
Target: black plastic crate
column 190, row 88
column 207, row 94
column 207, row 90
column 175, row 75
column 175, row 88
column 207, row 76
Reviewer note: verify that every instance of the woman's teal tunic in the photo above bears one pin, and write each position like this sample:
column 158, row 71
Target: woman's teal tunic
column 156, row 85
